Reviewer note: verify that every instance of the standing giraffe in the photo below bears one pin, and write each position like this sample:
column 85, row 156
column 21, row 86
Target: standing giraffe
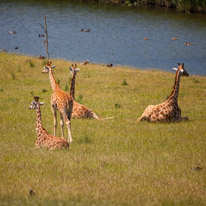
column 61, row 101
column 169, row 109
column 43, row 138
column 79, row 110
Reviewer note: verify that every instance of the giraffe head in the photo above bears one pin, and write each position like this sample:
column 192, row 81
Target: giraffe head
column 73, row 69
column 182, row 70
column 35, row 102
column 46, row 68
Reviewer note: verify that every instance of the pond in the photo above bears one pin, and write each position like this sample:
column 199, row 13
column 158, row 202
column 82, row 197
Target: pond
column 117, row 33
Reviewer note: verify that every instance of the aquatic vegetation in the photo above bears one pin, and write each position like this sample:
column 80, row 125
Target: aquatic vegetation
column 180, row 5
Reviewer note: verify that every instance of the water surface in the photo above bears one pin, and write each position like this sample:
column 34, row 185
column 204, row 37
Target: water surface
column 116, row 36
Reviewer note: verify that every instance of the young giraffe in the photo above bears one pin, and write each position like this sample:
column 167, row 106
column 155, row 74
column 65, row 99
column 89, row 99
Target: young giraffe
column 169, row 109
column 61, row 101
column 43, row 138
column 79, row 110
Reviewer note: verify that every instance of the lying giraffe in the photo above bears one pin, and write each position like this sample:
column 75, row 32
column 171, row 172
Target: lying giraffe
column 62, row 102
column 169, row 109
column 43, row 138
column 79, row 110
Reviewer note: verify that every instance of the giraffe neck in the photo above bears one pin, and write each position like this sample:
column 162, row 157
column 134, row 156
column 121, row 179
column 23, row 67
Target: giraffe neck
column 72, row 88
column 39, row 128
column 175, row 91
column 53, row 82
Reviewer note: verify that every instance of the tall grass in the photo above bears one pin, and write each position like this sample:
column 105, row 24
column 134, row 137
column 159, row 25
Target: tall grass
column 111, row 162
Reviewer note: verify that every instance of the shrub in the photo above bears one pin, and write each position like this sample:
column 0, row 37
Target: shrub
column 44, row 90
column 124, row 82
column 117, row 105
column 32, row 93
column 79, row 98
column 58, row 81
column 66, row 88
column 13, row 75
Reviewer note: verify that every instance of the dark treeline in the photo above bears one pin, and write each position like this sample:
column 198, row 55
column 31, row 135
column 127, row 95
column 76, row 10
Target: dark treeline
column 180, row 5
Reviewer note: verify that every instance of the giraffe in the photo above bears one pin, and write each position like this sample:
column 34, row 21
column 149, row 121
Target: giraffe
column 43, row 138
column 79, row 110
column 169, row 109
column 62, row 102
column 74, row 71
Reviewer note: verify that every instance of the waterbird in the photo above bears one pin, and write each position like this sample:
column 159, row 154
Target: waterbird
column 31, row 192
column 188, row 43
column 146, row 38
column 41, row 57
column 12, row 32
column 174, row 38
column 109, row 65
column 85, row 62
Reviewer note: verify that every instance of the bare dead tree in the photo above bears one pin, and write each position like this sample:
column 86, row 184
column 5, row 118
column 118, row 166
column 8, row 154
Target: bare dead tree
column 46, row 34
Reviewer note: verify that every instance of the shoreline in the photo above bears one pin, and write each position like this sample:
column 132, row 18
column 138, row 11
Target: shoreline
column 102, row 65
column 182, row 6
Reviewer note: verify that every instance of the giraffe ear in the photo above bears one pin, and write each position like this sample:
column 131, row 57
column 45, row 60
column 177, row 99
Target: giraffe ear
column 77, row 69
column 71, row 70
column 46, row 67
column 175, row 69
column 33, row 102
column 53, row 66
column 41, row 103
column 33, row 105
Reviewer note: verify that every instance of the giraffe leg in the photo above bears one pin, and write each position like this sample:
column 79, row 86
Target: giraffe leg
column 68, row 120
column 177, row 118
column 62, row 125
column 53, row 108
column 68, row 124
column 69, row 132
column 140, row 118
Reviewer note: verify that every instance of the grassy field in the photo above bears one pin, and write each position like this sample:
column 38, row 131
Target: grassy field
column 110, row 162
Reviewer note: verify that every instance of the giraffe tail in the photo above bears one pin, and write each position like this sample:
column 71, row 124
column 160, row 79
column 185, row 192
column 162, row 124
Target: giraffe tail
column 98, row 118
column 106, row 118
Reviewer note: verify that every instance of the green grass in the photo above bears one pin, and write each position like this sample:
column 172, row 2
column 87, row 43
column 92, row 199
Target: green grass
column 111, row 162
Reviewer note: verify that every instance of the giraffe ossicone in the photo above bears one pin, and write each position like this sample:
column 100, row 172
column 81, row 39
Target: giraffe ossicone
column 169, row 109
